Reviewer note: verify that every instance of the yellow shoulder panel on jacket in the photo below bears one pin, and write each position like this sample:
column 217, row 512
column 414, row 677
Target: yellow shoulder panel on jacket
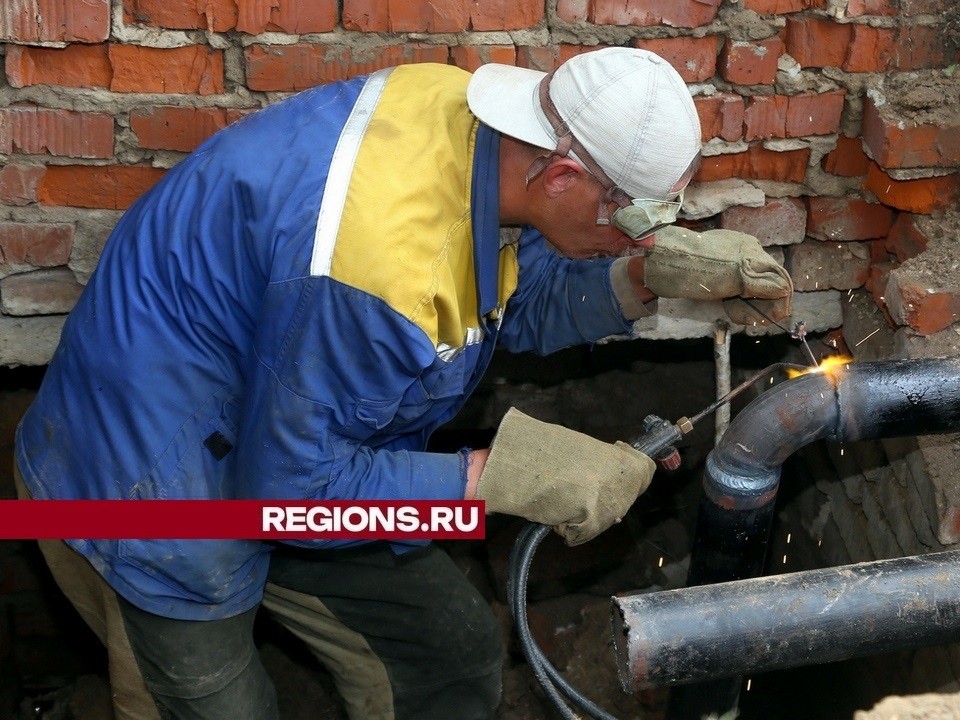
column 405, row 234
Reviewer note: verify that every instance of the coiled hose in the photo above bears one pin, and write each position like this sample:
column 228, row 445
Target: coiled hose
column 554, row 685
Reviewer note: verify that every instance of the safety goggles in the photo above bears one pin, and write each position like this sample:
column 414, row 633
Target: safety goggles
column 637, row 218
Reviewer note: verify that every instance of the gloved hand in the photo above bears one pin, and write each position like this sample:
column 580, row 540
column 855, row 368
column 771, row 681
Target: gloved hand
column 552, row 475
column 719, row 265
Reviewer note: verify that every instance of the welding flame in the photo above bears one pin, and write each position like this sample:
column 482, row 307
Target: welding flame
column 827, row 365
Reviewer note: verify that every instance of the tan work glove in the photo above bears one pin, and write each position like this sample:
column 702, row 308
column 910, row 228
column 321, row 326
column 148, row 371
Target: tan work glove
column 719, row 265
column 560, row 477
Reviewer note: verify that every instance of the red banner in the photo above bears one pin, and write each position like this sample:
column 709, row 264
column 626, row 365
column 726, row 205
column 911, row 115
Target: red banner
column 242, row 519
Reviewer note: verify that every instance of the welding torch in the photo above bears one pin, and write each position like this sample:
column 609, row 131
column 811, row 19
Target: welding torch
column 659, row 437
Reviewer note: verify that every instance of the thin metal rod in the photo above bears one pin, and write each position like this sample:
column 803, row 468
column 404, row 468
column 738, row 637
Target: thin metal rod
column 721, row 361
column 770, row 369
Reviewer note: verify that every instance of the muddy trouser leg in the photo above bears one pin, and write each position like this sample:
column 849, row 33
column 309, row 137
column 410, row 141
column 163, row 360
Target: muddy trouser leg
column 97, row 604
column 195, row 670
column 405, row 637
column 201, row 669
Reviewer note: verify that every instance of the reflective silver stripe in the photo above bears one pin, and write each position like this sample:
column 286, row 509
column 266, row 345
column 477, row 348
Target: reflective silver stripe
column 341, row 167
column 472, row 336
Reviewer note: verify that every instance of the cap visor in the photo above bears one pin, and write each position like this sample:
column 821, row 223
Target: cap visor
column 507, row 99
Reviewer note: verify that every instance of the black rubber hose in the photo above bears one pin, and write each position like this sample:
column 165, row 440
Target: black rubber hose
column 547, row 675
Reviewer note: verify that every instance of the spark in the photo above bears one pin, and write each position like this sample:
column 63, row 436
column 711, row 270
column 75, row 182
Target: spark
column 749, row 680
column 661, row 562
column 788, row 538
column 784, row 559
column 841, row 451
column 704, row 287
column 868, row 337
column 583, row 299
column 819, row 543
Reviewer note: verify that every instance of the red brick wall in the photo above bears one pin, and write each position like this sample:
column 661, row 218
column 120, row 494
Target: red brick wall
column 101, row 101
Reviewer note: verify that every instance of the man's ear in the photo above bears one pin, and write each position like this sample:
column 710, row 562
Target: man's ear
column 560, row 175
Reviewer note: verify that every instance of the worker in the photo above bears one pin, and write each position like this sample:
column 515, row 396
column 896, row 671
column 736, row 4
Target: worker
column 294, row 309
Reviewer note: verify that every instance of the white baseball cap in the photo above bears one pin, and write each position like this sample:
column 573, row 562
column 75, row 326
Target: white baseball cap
column 628, row 108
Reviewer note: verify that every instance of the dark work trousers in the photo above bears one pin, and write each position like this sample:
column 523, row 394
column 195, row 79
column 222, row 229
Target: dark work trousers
column 405, row 637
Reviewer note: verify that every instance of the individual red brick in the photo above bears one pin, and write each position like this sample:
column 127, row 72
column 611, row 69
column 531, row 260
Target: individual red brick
column 289, row 16
column 296, row 67
column 781, row 221
column 33, row 130
column 765, row 117
column 550, row 57
column 573, row 11
column 919, row 196
column 856, row 8
column 720, row 116
column 179, row 128
column 506, row 14
column 212, row 15
column 898, row 142
column 195, row 69
column 813, row 42
column 750, row 63
column 782, row 7
column 404, row 16
column 816, row 42
column 844, row 218
column 757, row 163
column 470, row 57
column 815, row 265
column 694, row 58
column 905, row 240
column 675, row 13
column 814, row 113
column 870, row 49
column 84, row 66
column 847, row 159
column 924, row 308
column 111, row 187
column 31, row 21
column 249, row 16
column 35, row 244
column 41, row 292
column 18, row 183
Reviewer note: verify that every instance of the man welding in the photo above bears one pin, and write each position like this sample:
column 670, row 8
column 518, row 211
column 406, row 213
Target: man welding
column 293, row 310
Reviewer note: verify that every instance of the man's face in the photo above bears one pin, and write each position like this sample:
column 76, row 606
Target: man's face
column 573, row 229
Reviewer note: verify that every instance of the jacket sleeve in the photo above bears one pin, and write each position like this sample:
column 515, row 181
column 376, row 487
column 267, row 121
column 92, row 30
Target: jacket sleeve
column 559, row 302
column 334, row 382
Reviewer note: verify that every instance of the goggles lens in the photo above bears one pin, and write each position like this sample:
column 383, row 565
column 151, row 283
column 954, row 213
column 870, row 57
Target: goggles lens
column 643, row 217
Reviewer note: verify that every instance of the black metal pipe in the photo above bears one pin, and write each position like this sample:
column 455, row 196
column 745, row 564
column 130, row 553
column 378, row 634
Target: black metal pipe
column 742, row 476
column 848, row 403
column 783, row 621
